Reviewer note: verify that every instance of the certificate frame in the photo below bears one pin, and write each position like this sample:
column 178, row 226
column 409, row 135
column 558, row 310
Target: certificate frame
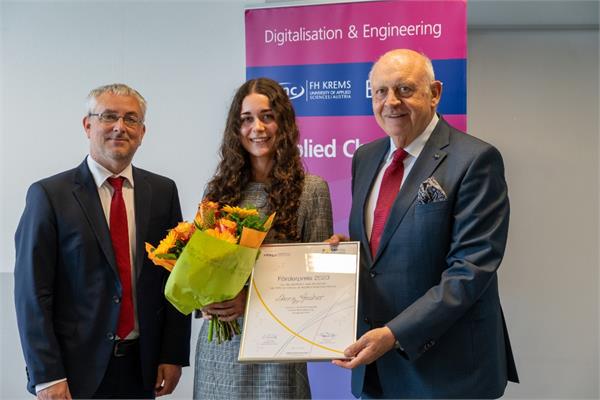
column 302, row 303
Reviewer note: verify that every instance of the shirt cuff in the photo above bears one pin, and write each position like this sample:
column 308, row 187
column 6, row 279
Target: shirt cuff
column 41, row 386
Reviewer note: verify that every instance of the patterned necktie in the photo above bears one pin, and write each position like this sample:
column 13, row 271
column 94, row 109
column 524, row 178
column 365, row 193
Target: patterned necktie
column 390, row 185
column 119, row 234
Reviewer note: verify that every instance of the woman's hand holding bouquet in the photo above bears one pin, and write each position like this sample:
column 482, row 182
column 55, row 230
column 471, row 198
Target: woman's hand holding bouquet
column 223, row 316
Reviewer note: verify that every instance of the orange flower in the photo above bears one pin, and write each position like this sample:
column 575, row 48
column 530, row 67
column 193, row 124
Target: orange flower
column 184, row 231
column 167, row 264
column 225, row 224
column 207, row 214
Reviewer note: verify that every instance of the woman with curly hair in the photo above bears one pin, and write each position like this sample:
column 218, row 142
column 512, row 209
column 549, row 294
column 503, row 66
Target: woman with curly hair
column 260, row 166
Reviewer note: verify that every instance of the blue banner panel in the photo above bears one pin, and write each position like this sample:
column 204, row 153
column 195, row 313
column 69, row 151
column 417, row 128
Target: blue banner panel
column 344, row 89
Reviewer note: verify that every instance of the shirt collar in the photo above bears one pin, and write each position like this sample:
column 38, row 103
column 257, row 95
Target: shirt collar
column 416, row 146
column 100, row 173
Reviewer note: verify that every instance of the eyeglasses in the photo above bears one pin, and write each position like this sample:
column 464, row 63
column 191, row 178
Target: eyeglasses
column 131, row 120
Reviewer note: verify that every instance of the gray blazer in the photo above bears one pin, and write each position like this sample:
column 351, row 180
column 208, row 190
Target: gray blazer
column 433, row 281
column 218, row 374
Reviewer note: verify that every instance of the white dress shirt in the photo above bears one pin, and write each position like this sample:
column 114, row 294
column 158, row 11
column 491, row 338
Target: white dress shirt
column 413, row 150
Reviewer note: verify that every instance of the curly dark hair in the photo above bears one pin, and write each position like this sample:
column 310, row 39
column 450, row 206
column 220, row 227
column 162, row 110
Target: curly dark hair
column 285, row 180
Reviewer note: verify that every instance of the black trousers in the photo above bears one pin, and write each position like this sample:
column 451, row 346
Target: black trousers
column 123, row 377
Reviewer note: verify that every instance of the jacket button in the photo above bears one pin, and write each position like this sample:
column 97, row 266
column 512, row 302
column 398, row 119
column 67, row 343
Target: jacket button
column 367, row 320
column 116, row 299
column 110, row 336
column 373, row 274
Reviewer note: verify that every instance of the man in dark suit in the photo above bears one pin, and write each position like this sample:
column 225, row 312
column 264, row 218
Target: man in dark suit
column 92, row 316
column 430, row 208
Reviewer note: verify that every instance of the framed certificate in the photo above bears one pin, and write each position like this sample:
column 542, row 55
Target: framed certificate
column 302, row 303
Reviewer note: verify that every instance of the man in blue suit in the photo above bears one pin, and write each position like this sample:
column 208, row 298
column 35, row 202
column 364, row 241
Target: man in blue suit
column 92, row 316
column 430, row 208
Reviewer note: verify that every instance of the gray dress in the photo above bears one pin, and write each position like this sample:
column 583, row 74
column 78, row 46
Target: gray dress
column 217, row 373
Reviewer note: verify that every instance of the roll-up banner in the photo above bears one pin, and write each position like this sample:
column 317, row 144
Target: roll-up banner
column 322, row 55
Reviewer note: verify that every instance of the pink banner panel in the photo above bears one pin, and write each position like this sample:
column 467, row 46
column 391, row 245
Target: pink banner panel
column 327, row 145
column 322, row 34
column 321, row 55
column 457, row 121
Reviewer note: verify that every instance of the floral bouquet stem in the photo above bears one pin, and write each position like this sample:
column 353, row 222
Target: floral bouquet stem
column 224, row 330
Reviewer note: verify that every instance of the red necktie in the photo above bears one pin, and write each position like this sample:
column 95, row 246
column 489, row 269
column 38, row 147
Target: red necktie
column 390, row 185
column 119, row 234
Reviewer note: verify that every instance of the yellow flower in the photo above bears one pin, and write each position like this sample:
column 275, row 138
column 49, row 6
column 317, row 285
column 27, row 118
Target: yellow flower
column 167, row 243
column 225, row 235
column 240, row 211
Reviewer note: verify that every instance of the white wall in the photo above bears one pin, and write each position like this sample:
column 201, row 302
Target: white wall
column 186, row 58
column 533, row 93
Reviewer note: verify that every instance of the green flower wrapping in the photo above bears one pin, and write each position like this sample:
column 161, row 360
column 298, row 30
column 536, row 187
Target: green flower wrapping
column 210, row 270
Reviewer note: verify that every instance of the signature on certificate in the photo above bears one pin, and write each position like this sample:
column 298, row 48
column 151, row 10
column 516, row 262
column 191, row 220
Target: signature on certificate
column 304, row 297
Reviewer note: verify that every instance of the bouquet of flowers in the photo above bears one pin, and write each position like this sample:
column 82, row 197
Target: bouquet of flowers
column 211, row 259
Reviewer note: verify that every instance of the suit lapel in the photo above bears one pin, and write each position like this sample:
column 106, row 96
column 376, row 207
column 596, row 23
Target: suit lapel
column 431, row 156
column 143, row 200
column 86, row 193
column 374, row 159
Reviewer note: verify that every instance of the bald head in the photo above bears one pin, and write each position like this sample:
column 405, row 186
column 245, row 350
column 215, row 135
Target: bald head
column 405, row 56
column 405, row 94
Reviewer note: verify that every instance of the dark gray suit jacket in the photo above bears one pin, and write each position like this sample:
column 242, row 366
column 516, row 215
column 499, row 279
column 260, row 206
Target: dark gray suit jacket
column 67, row 284
column 433, row 281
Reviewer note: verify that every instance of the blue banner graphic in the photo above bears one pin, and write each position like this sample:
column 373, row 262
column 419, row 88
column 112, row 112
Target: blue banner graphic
column 344, row 89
